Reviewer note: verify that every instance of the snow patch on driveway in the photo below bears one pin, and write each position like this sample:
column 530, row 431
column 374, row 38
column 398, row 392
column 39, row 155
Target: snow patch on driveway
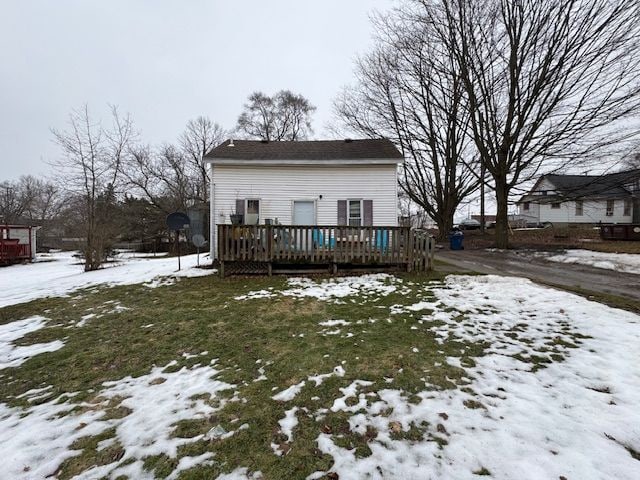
column 621, row 262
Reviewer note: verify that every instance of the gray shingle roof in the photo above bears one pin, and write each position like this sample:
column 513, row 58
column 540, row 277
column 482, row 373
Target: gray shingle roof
column 307, row 150
column 612, row 185
column 609, row 185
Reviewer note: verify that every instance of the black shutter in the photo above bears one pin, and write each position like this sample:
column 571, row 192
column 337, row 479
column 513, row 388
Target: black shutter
column 367, row 215
column 342, row 212
column 240, row 207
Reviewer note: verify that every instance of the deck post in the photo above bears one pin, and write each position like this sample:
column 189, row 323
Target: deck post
column 222, row 269
column 431, row 253
column 269, row 241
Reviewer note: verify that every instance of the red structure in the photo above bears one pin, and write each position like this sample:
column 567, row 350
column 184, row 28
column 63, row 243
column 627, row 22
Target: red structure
column 16, row 243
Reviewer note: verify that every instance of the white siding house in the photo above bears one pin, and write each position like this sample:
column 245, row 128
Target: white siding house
column 584, row 199
column 351, row 182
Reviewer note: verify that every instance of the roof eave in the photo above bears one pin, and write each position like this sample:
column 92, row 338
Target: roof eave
column 321, row 162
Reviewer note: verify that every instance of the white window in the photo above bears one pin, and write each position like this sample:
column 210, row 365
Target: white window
column 610, row 206
column 354, row 213
column 252, row 212
column 579, row 208
column 627, row 208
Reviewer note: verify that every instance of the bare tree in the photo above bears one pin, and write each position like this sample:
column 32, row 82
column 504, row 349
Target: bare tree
column 162, row 176
column 200, row 136
column 29, row 199
column 545, row 80
column 284, row 116
column 12, row 202
column 43, row 199
column 90, row 168
column 409, row 90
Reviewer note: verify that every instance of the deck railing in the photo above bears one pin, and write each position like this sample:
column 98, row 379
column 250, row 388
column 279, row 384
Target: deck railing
column 315, row 244
column 13, row 251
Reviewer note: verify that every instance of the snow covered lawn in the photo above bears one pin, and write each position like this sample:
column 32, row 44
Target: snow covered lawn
column 622, row 262
column 374, row 376
column 12, row 355
column 58, row 274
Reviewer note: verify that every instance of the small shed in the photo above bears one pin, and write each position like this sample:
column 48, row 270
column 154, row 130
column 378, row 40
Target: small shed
column 17, row 243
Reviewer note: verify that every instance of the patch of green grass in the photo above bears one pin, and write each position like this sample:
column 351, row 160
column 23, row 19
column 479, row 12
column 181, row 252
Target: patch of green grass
column 482, row 472
column 283, row 333
column 90, row 456
column 473, row 404
column 160, row 465
column 415, row 433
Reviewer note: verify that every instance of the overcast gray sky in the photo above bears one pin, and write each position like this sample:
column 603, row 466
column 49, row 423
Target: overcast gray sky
column 165, row 62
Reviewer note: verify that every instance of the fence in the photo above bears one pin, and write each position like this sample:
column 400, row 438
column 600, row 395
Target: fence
column 325, row 245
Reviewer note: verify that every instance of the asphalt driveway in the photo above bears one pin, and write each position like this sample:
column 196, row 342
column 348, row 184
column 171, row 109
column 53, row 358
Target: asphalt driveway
column 524, row 264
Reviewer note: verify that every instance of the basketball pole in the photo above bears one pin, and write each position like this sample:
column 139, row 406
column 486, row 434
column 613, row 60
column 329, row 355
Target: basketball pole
column 178, row 247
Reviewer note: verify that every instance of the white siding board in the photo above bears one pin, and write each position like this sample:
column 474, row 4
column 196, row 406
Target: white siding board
column 594, row 211
column 534, row 210
column 277, row 188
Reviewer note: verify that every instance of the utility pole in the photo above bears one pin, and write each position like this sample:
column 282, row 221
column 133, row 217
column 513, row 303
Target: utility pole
column 482, row 219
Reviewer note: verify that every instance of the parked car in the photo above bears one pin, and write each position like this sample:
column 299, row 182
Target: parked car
column 469, row 224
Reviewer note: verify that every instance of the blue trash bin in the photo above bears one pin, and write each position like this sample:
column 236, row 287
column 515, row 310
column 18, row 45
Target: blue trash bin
column 456, row 238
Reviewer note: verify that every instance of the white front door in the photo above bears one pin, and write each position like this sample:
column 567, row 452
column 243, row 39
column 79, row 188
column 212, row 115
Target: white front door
column 304, row 212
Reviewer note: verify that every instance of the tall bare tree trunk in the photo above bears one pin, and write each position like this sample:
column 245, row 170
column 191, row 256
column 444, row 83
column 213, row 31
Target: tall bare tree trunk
column 444, row 221
column 502, row 211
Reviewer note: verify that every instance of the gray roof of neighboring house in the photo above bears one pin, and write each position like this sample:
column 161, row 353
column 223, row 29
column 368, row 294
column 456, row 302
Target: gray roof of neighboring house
column 611, row 185
column 306, row 150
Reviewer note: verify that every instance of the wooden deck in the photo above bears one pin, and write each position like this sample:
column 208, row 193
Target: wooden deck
column 264, row 249
column 15, row 244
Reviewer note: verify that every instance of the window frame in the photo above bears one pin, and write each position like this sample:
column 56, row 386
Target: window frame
column 526, row 206
column 555, row 205
column 246, row 209
column 610, row 208
column 579, row 208
column 628, row 207
column 361, row 217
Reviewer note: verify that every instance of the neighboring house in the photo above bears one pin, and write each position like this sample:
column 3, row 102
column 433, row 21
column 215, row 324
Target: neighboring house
column 342, row 182
column 584, row 199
